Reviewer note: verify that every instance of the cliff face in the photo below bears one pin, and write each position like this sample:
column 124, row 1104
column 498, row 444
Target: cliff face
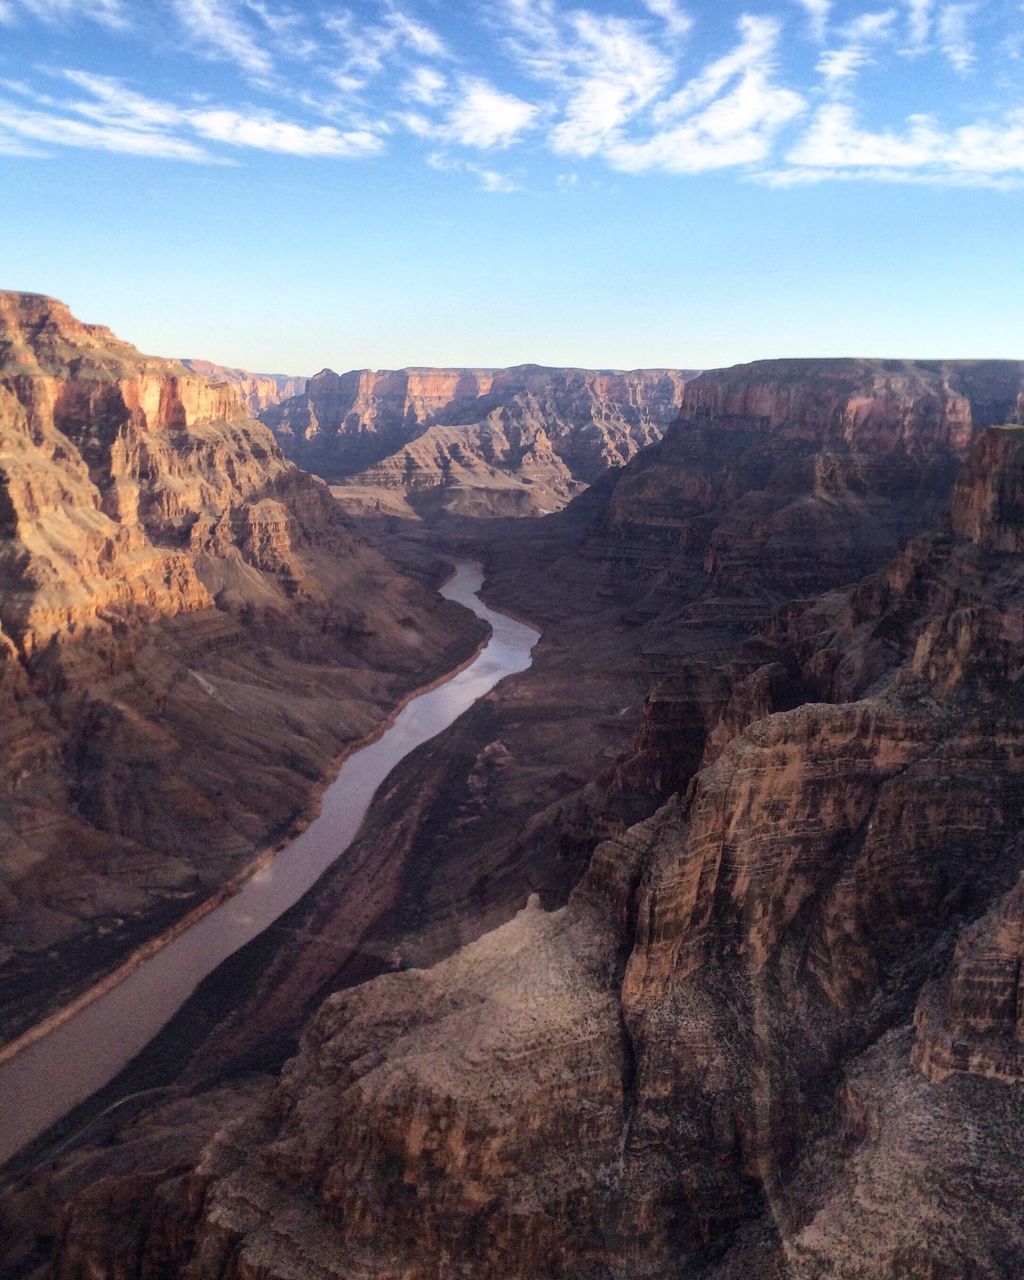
column 756, row 1042
column 188, row 636
column 258, row 391
column 499, row 442
column 787, row 475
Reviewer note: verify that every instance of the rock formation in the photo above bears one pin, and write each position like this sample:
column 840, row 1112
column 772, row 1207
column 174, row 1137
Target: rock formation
column 258, row 391
column 758, row 1040
column 474, row 442
column 772, row 1031
column 189, row 636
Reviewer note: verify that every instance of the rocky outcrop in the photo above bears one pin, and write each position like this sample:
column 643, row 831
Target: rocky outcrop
column 517, row 441
column 259, row 391
column 189, row 636
column 708, row 1063
column 788, row 477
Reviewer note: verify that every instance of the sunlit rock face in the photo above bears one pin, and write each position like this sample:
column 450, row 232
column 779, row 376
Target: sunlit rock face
column 189, row 635
column 258, row 391
column 475, row 442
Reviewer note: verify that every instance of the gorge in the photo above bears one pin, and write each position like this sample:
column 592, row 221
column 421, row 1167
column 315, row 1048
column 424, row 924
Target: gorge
column 691, row 951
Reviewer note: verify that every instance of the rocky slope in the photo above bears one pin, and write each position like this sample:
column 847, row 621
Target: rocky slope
column 474, row 442
column 757, row 1041
column 258, row 391
column 189, row 636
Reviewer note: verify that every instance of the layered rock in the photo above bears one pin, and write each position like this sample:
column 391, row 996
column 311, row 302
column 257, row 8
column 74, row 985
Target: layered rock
column 517, row 441
column 190, row 636
column 706, row 1063
column 789, row 476
column 259, row 391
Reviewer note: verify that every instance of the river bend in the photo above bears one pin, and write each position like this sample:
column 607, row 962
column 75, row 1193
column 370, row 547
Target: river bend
column 48, row 1078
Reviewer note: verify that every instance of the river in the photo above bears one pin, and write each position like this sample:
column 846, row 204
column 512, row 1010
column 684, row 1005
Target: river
column 48, row 1078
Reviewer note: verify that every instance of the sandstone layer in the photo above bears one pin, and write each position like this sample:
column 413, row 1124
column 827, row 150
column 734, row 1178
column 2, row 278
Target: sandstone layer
column 258, row 391
column 472, row 442
column 189, row 636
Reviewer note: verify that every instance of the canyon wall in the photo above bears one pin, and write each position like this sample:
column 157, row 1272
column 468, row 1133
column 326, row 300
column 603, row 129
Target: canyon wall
column 772, row 1030
column 189, row 636
column 473, row 442
column 258, row 391
column 772, row 1033
column 755, row 1042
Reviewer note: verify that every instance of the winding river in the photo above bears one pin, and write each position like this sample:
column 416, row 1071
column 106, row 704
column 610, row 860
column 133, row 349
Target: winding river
column 47, row 1078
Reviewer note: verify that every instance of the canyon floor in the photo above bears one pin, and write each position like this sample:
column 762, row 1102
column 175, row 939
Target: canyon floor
column 694, row 950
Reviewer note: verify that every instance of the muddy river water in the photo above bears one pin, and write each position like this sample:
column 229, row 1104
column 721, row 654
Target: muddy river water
column 48, row 1078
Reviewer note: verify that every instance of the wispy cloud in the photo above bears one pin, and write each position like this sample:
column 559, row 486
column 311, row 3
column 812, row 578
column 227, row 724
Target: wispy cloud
column 490, row 179
column 473, row 114
column 677, row 21
column 114, row 117
column 819, row 12
column 860, row 38
column 108, row 13
column 919, row 21
column 644, row 86
column 27, row 125
column 368, row 48
column 216, row 27
column 954, row 37
column 485, row 117
column 836, row 145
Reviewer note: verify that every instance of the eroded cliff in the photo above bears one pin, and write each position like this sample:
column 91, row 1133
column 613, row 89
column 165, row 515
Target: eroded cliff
column 258, row 391
column 473, row 442
column 189, row 636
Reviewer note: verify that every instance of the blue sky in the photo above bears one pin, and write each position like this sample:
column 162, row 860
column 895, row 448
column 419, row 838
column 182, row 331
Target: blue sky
column 286, row 186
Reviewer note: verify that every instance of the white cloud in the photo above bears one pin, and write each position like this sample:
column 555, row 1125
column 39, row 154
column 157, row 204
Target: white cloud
column 616, row 73
column 678, row 22
column 369, row 48
column 217, row 26
column 116, row 118
column 921, row 150
column 425, row 85
column 484, row 117
column 38, row 126
column 759, row 38
column 954, row 39
column 838, row 66
column 108, row 13
column 490, row 179
column 113, row 103
column 624, row 90
column 819, row 12
column 920, row 23
column 266, row 133
column 737, row 128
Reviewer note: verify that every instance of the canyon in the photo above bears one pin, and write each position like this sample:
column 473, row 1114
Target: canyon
column 692, row 951
column 190, row 635
column 428, row 443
